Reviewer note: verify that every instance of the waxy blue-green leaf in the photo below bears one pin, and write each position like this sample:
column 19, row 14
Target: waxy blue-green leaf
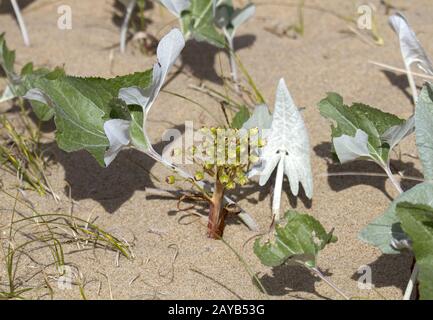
column 81, row 106
column 424, row 129
column 300, row 239
column 417, row 222
column 198, row 22
column 348, row 120
column 230, row 19
column 386, row 229
column 141, row 99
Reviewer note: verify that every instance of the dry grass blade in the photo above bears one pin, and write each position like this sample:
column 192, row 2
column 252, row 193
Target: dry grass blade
column 32, row 233
column 20, row 154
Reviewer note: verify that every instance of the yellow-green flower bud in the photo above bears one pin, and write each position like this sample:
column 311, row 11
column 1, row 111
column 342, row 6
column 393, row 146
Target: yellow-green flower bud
column 208, row 166
column 243, row 180
column 230, row 185
column 170, row 180
column 199, row 176
column 224, row 178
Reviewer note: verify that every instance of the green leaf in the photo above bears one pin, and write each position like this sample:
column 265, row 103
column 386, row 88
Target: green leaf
column 417, row 222
column 18, row 84
column 7, row 58
column 138, row 136
column 240, row 118
column 386, row 227
column 348, row 120
column 424, row 129
column 300, row 239
column 198, row 21
column 81, row 106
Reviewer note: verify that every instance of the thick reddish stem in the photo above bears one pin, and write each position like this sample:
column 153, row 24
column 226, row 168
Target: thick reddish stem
column 217, row 212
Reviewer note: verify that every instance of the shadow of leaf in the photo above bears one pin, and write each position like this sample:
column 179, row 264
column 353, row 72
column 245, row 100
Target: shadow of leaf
column 399, row 81
column 390, row 270
column 342, row 182
column 6, row 7
column 290, row 278
column 199, row 57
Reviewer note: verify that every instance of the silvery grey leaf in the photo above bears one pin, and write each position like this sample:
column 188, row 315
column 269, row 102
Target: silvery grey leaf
column 350, row 148
column 36, row 95
column 411, row 48
column 424, row 129
column 261, row 118
column 394, row 135
column 288, row 147
column 117, row 132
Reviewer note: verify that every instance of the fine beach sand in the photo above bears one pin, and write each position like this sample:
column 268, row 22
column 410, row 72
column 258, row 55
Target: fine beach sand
column 173, row 257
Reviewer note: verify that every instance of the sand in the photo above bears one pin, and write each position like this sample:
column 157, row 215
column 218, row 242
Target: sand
column 173, row 257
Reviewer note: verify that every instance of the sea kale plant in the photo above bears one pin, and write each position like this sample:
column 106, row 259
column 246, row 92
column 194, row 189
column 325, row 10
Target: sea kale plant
column 104, row 116
column 213, row 21
column 362, row 132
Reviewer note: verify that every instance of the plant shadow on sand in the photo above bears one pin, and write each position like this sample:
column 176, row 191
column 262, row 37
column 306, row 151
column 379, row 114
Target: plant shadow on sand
column 119, row 14
column 6, row 6
column 390, row 270
column 248, row 193
column 399, row 81
column 289, row 279
column 339, row 183
column 111, row 186
column 199, row 57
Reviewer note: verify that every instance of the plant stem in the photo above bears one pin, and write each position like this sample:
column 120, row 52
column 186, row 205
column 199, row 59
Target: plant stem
column 391, row 177
column 125, row 24
column 21, row 23
column 216, row 212
column 250, row 80
column 276, row 202
column 244, row 216
column 233, row 67
column 329, row 282
column 386, row 66
column 411, row 283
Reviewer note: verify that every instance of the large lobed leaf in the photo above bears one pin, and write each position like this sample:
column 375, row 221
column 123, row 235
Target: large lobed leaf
column 417, row 222
column 355, row 120
column 424, row 129
column 385, row 229
column 300, row 239
column 18, row 85
column 82, row 105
